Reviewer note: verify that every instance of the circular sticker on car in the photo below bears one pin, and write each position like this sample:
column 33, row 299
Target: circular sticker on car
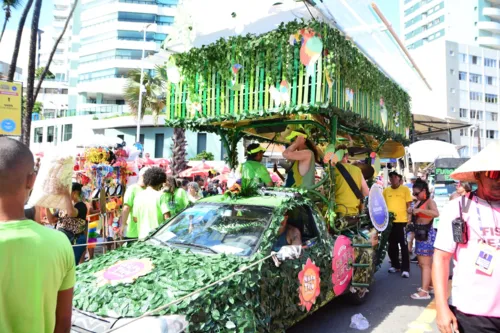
column 125, row 271
column 309, row 285
column 8, row 125
column 343, row 257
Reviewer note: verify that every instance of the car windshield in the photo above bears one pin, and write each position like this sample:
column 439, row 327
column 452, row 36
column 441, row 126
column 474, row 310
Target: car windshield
column 230, row 229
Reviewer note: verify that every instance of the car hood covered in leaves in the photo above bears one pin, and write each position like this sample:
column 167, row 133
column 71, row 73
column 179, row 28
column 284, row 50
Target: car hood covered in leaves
column 176, row 273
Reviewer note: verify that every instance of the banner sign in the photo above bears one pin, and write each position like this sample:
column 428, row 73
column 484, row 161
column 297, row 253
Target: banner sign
column 379, row 214
column 309, row 285
column 343, row 258
column 443, row 175
column 125, row 271
column 10, row 108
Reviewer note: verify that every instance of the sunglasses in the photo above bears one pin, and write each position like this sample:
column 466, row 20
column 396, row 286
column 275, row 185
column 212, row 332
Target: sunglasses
column 416, row 193
column 494, row 175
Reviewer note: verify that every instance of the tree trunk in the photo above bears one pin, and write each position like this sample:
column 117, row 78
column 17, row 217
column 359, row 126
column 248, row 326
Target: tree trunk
column 3, row 28
column 54, row 48
column 179, row 162
column 19, row 35
column 30, row 85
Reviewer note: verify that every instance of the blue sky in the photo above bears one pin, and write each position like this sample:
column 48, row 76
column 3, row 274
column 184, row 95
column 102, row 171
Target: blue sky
column 390, row 8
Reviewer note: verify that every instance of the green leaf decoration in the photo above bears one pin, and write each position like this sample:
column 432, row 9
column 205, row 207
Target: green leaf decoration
column 230, row 325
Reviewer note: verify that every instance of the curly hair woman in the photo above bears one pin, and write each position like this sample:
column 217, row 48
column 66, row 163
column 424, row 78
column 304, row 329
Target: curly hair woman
column 423, row 215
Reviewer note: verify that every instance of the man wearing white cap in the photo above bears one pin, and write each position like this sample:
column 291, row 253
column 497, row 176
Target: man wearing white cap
column 469, row 232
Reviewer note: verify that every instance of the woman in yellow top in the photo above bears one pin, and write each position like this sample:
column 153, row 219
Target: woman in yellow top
column 304, row 156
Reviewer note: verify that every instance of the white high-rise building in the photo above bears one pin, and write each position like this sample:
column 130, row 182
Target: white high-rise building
column 454, row 43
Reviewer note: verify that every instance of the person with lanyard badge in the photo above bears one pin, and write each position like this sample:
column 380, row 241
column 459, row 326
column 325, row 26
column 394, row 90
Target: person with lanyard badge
column 128, row 223
column 175, row 197
column 398, row 199
column 252, row 169
column 469, row 232
column 150, row 208
column 304, row 155
column 423, row 215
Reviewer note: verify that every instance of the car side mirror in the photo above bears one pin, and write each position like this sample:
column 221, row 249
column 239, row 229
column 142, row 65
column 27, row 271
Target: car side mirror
column 287, row 252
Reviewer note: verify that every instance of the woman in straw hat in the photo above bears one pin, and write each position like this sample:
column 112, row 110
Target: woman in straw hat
column 469, row 232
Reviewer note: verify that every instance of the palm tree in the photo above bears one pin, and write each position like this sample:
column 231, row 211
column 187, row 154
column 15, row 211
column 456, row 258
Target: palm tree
column 179, row 161
column 17, row 44
column 7, row 6
column 153, row 98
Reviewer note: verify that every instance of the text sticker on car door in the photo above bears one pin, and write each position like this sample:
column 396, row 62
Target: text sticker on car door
column 309, row 285
column 343, row 256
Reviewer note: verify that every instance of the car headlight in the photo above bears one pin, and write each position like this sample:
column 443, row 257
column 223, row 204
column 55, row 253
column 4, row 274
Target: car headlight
column 160, row 324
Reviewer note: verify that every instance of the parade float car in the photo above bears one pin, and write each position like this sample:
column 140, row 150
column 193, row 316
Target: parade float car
column 207, row 242
column 211, row 268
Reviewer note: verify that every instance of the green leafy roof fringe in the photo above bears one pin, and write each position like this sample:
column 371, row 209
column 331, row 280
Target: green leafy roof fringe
column 207, row 75
column 350, row 119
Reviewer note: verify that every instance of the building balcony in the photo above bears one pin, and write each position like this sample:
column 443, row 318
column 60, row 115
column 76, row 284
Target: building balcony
column 112, row 85
column 489, row 41
column 492, row 12
column 489, row 26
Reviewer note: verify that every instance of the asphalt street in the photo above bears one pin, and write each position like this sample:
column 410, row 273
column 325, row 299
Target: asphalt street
column 388, row 308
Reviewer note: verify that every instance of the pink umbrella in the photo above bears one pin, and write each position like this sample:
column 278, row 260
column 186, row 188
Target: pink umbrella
column 162, row 162
column 189, row 173
column 202, row 166
column 39, row 154
column 222, row 178
column 147, row 161
column 224, row 169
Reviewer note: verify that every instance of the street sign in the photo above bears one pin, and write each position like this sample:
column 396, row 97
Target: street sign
column 10, row 108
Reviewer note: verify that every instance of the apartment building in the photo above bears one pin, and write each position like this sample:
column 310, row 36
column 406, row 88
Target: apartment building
column 472, row 22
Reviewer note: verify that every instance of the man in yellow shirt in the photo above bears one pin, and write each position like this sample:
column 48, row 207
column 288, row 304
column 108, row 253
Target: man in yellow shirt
column 347, row 203
column 398, row 199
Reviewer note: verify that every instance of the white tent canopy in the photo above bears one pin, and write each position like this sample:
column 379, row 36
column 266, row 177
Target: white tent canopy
column 427, row 151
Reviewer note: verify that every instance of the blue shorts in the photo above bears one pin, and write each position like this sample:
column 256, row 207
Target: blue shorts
column 426, row 248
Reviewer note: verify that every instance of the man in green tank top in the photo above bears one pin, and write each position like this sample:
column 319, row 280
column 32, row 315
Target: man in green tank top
column 303, row 154
column 252, row 169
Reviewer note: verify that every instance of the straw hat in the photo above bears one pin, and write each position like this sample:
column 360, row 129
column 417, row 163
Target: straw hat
column 488, row 159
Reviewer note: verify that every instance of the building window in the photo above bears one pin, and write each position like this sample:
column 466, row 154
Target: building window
column 475, row 60
column 50, row 134
column 463, row 58
column 474, row 114
column 462, row 76
column 488, row 62
column 491, row 81
column 475, row 78
column 476, row 96
column 491, row 98
column 463, row 113
column 491, row 116
column 202, row 143
column 141, row 139
column 491, row 134
column 159, row 144
column 464, row 132
column 38, row 135
column 67, row 132
column 452, row 53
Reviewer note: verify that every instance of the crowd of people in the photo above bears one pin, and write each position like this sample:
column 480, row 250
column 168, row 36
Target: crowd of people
column 37, row 264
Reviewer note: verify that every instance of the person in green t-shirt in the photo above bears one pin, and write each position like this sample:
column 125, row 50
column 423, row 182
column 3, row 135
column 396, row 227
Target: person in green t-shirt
column 176, row 198
column 128, row 223
column 37, row 264
column 252, row 169
column 150, row 207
